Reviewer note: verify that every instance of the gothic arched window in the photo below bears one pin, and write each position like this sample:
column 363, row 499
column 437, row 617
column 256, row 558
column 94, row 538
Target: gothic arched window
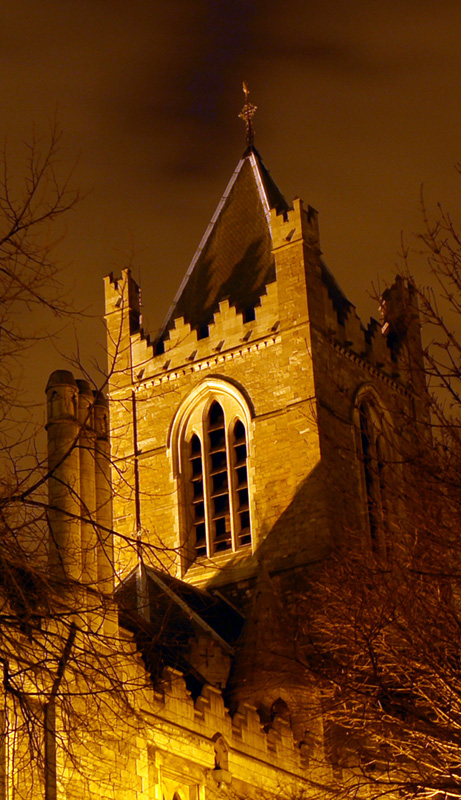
column 371, row 448
column 210, row 450
column 218, row 484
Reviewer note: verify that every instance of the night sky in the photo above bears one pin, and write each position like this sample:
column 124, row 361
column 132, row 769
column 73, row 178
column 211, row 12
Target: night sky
column 358, row 106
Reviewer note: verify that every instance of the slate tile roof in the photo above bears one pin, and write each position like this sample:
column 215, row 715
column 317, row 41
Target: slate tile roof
column 234, row 260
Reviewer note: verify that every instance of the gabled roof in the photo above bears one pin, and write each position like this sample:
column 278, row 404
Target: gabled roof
column 234, row 259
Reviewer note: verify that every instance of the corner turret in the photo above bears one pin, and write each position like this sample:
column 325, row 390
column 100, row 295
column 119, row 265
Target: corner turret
column 64, row 476
column 79, row 490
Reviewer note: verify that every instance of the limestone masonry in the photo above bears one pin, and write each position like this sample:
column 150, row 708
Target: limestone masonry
column 233, row 453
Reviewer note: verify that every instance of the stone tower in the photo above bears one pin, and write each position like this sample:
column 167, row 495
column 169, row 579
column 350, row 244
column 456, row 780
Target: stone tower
column 239, row 433
column 264, row 426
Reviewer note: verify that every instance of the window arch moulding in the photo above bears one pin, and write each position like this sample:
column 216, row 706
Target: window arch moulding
column 209, row 444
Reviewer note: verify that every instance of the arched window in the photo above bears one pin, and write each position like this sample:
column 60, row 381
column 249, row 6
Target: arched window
column 218, row 483
column 369, row 461
column 209, row 443
column 372, row 448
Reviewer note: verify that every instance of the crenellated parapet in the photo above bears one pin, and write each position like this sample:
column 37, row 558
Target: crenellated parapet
column 230, row 335
column 304, row 278
column 243, row 732
column 385, row 346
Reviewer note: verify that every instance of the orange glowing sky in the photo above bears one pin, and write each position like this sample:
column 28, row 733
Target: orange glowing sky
column 357, row 107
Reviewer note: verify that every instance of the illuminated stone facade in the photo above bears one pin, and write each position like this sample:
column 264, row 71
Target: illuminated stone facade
column 291, row 364
column 242, row 442
column 248, row 440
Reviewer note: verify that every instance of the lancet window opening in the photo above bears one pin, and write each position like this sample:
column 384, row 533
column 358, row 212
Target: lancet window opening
column 371, row 450
column 240, row 467
column 218, row 484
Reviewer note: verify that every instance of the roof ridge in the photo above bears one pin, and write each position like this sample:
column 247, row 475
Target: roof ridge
column 271, row 190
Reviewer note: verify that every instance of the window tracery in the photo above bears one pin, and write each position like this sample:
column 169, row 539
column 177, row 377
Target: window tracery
column 218, row 484
column 210, row 436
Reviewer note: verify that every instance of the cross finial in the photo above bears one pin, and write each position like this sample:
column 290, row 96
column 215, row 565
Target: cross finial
column 247, row 113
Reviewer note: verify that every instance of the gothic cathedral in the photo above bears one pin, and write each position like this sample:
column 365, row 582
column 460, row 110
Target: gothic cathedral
column 247, row 441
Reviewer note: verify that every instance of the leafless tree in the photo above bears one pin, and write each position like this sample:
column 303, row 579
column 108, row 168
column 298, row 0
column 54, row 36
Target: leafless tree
column 381, row 631
column 60, row 651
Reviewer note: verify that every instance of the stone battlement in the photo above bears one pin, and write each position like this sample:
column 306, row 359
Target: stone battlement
column 243, row 731
column 381, row 345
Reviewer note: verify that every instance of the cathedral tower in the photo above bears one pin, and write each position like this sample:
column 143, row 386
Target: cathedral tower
column 263, row 427
column 237, row 433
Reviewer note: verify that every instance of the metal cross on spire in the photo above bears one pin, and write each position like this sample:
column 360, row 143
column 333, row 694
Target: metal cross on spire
column 247, row 113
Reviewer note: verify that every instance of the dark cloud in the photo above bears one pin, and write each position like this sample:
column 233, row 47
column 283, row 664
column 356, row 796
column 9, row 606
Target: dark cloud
column 356, row 105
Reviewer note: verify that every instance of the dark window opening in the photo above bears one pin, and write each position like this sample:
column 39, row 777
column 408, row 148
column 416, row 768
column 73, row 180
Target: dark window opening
column 219, row 498
column 243, row 531
column 249, row 314
column 203, row 331
column 373, row 474
column 198, row 505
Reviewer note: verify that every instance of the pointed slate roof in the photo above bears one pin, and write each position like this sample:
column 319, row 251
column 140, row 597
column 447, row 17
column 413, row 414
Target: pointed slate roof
column 234, row 259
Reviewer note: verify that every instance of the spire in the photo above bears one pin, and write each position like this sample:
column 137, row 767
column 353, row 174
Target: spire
column 247, row 113
column 234, row 260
